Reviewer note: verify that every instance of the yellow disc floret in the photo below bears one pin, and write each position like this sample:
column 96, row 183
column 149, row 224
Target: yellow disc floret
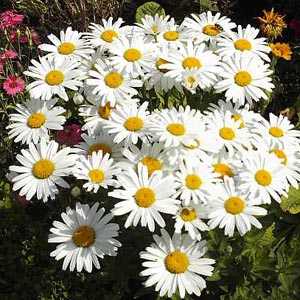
column 160, row 62
column 263, row 177
column 176, row 129
column 66, row 48
column 132, row 54
column 113, row 80
column 223, row 170
column 43, row 168
column 227, row 133
column 177, row 262
column 108, row 35
column 171, row 36
column 211, row 30
column 55, row 77
column 188, row 214
column 281, row 155
column 36, row 120
column 96, row 175
column 84, row 236
column 105, row 111
column 238, row 117
column 193, row 181
column 243, row 78
column 152, row 164
column 242, row 45
column 144, row 197
column 276, row 132
column 234, row 205
column 134, row 124
column 191, row 63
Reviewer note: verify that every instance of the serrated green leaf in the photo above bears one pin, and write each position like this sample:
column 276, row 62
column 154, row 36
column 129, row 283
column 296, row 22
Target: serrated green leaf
column 292, row 203
column 148, row 8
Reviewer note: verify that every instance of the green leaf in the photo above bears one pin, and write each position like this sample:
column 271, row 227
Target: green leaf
column 292, row 203
column 148, row 8
column 206, row 5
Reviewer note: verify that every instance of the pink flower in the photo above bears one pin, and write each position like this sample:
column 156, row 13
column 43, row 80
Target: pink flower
column 8, row 54
column 9, row 19
column 295, row 25
column 70, row 135
column 23, row 39
column 13, row 85
column 1, row 67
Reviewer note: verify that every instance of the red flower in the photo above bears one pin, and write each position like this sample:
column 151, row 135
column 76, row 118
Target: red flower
column 295, row 25
column 13, row 85
column 70, row 135
column 8, row 54
column 9, row 19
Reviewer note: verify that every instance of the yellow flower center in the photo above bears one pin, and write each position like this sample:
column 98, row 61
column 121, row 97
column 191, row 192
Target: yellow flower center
column 84, row 236
column 134, row 124
column 188, row 215
column 176, row 129
column 211, row 30
column 223, row 170
column 177, row 262
column 66, row 48
column 113, row 80
column 263, row 177
column 281, row 155
column 43, row 168
column 99, row 147
column 238, row 117
column 152, row 164
column 108, row 35
column 144, row 197
column 193, row 181
column 160, row 62
column 55, row 77
column 105, row 111
column 242, row 45
column 191, row 62
column 96, row 175
column 242, row 78
column 154, row 29
column 227, row 133
column 234, row 205
column 171, row 35
column 190, row 81
column 132, row 54
column 276, row 132
column 36, row 120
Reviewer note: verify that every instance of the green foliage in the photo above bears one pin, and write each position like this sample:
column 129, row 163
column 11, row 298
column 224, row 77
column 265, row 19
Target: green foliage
column 291, row 204
column 148, row 8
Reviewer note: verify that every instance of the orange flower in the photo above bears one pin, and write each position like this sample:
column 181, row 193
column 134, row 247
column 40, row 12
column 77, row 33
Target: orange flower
column 282, row 50
column 272, row 23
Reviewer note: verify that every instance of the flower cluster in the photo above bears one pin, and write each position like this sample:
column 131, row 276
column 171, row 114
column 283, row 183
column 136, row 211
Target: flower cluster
column 189, row 169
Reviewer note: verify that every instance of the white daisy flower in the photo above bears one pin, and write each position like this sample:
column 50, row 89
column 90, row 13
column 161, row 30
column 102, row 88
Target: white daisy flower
column 99, row 142
column 228, row 132
column 111, row 85
column 189, row 218
column 127, row 123
column 42, row 168
column 53, row 76
column 97, row 57
column 245, row 78
column 232, row 208
column 176, row 263
column 105, row 34
column 261, row 176
column 195, row 182
column 243, row 41
column 84, row 236
column 132, row 56
column 208, row 27
column 279, row 131
column 34, row 119
column 144, row 197
column 70, row 45
column 196, row 58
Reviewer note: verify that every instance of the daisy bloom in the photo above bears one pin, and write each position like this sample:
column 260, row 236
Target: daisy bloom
column 84, row 236
column 243, row 41
column 34, row 119
column 208, row 27
column 13, row 85
column 70, row 44
column 127, row 124
column 195, row 182
column 282, row 50
column 131, row 55
column 112, row 85
column 144, row 197
column 232, row 208
column 52, row 77
column 106, row 33
column 189, row 218
column 42, row 168
column 261, row 176
column 176, row 263
column 153, row 25
column 98, row 169
column 244, row 78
